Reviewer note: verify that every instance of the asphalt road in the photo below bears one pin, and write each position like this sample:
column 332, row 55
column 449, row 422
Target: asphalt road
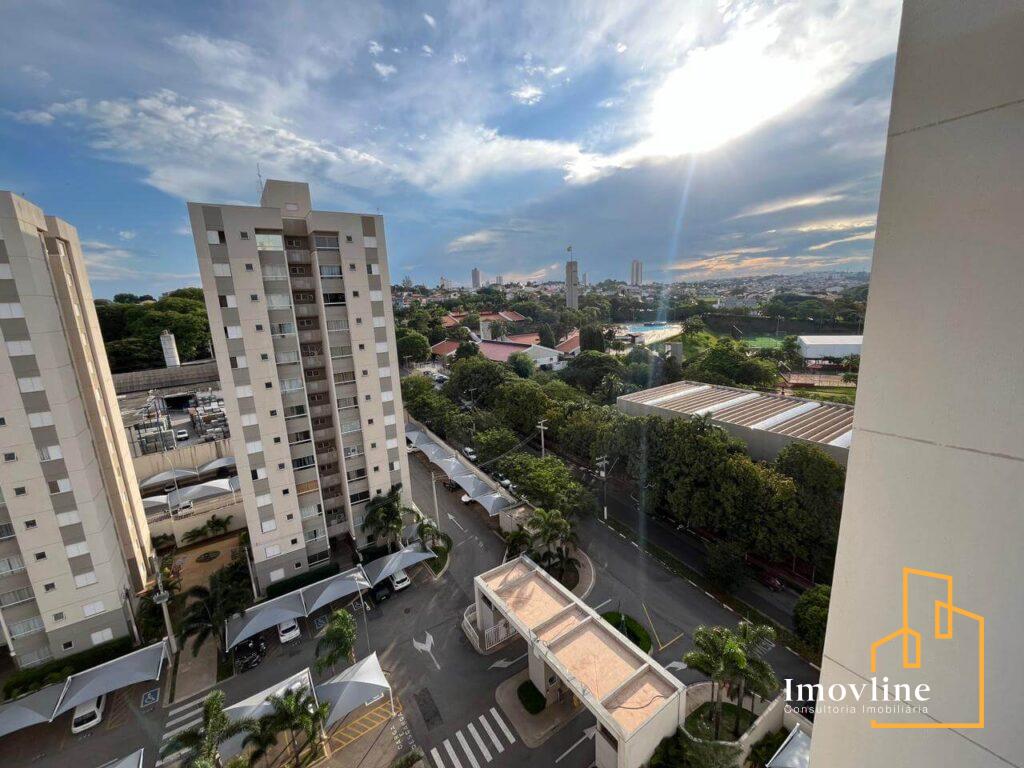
column 446, row 689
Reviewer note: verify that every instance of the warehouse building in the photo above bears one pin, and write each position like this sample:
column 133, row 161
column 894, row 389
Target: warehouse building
column 767, row 423
column 821, row 347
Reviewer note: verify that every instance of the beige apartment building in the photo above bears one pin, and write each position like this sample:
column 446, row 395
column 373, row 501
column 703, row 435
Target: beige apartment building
column 74, row 544
column 300, row 311
column 929, row 566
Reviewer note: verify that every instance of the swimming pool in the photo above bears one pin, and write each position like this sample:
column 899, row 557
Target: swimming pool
column 646, row 328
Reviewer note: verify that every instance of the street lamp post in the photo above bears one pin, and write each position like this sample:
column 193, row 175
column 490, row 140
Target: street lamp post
column 433, row 487
column 161, row 598
column 542, row 428
column 602, row 463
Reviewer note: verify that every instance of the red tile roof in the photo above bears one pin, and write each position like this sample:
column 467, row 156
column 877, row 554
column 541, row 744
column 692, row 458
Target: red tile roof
column 570, row 344
column 500, row 351
column 524, row 338
column 506, row 316
column 444, row 348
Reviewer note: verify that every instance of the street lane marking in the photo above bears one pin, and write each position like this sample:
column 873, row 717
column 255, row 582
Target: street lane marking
column 501, row 723
column 650, row 622
column 479, row 742
column 180, row 718
column 185, row 727
column 490, row 732
column 437, row 758
column 190, row 705
column 466, row 749
column 451, row 753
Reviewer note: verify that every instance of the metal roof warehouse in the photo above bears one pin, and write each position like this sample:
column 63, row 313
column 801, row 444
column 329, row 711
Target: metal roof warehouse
column 765, row 422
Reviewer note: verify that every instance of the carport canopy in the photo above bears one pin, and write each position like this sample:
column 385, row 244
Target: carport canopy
column 29, row 710
column 258, row 705
column 493, row 502
column 378, row 570
column 417, row 438
column 454, row 468
column 336, row 587
column 134, row 760
column 224, row 462
column 135, row 667
column 168, row 476
column 435, row 453
column 473, row 486
column 263, row 616
column 360, row 684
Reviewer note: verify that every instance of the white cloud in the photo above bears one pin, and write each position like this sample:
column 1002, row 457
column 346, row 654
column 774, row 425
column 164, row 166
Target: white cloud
column 34, row 117
column 384, row 70
column 621, row 48
column 127, row 234
column 375, row 48
column 37, row 75
column 475, row 241
column 458, row 58
column 431, row 21
column 789, row 203
column 527, row 94
column 427, row 50
column 105, row 262
column 852, row 238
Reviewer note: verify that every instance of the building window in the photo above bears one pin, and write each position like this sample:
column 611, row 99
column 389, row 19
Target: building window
column 19, row 348
column 254, row 446
column 254, row 297
column 221, row 269
column 91, row 609
column 248, row 268
column 85, row 579
column 58, row 617
column 10, row 456
column 227, row 301
column 248, row 419
column 77, row 549
column 273, row 550
column 49, row 586
column 20, row 491
column 30, row 384
column 269, row 242
column 67, row 645
column 277, row 575
column 68, row 518
column 215, row 237
column 41, row 419
column 40, row 556
column 243, row 235
column 103, row 636
column 10, row 310
column 259, row 326
column 62, row 485
column 30, row 524
column 268, row 526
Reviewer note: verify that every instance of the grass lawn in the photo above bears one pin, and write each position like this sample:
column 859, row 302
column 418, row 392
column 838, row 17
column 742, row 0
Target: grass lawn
column 705, row 713
column 631, row 628
column 847, row 395
column 438, row 563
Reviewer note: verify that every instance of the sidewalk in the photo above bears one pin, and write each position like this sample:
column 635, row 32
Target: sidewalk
column 534, row 730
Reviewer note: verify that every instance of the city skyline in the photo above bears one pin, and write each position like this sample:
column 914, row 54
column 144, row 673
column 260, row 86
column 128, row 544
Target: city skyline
column 494, row 171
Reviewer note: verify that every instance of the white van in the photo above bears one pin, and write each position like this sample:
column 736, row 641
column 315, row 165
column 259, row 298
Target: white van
column 88, row 715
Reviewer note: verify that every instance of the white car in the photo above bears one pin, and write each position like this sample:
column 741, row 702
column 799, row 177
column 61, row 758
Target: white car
column 288, row 631
column 89, row 714
column 181, row 434
column 469, row 453
column 400, row 580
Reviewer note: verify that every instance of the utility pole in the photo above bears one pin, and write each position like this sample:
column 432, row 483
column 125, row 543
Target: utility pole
column 433, row 487
column 541, row 425
column 602, row 464
column 161, row 598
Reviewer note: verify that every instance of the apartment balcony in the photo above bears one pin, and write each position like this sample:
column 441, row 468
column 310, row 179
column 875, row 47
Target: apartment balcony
column 307, row 309
column 310, row 335
column 297, row 256
column 310, row 486
column 303, row 283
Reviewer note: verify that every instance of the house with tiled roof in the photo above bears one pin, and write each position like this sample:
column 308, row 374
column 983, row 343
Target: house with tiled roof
column 453, row 319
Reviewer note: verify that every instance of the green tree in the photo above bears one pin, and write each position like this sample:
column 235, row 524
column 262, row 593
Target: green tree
column 492, row 443
column 413, row 346
column 810, row 615
column 791, row 354
column 694, row 324
column 819, row 480
column 587, row 369
column 432, row 536
column 757, row 675
column 592, row 338
column 262, row 735
column 385, row 517
column 338, row 641
column 202, row 742
column 718, row 654
column 297, row 711
column 545, row 482
column 522, row 364
column 208, row 608
column 725, row 564
column 218, row 525
column 467, row 349
column 520, row 404
column 547, row 336
column 550, row 531
column 476, row 379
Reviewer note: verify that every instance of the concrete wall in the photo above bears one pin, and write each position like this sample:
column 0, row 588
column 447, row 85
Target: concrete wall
column 187, row 457
column 179, row 525
column 199, row 372
column 936, row 472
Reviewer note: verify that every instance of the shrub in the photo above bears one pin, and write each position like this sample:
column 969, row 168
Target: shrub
column 725, row 564
column 32, row 679
column 810, row 615
column 311, row 576
column 765, row 749
column 408, row 760
column 631, row 628
column 533, row 701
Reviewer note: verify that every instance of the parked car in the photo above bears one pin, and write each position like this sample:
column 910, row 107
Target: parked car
column 381, row 592
column 89, row 714
column 288, row 631
column 181, row 434
column 772, row 582
column 400, row 580
column 469, row 453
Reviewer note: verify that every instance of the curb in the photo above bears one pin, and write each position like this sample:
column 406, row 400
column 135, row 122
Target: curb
column 593, row 575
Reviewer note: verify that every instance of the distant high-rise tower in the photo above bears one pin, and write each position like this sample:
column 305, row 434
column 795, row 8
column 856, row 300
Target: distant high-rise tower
column 636, row 273
column 586, row 279
column 74, row 541
column 300, row 305
column 476, row 277
column 170, row 348
column 499, row 280
column 572, row 284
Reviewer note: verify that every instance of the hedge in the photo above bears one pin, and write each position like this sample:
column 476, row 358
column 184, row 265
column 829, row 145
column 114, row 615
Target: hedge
column 533, row 701
column 631, row 628
column 311, row 576
column 33, row 678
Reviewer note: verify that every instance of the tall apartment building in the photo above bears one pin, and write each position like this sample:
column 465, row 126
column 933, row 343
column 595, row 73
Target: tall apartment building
column 476, row 277
column 74, row 543
column 636, row 272
column 572, row 284
column 300, row 310
column 936, row 467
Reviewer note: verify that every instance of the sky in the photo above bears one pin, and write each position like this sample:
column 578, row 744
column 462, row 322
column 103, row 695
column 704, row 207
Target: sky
column 708, row 139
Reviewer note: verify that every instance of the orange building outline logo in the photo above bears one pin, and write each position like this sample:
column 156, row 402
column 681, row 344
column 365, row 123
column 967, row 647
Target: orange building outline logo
column 911, row 638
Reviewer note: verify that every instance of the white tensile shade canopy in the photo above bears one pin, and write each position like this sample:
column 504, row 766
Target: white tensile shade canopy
column 134, row 760
column 378, row 570
column 336, row 587
column 135, row 667
column 264, row 616
column 360, row 684
column 258, row 705
column 29, row 710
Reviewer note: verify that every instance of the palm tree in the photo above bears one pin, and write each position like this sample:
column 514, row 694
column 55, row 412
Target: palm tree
column 298, row 711
column 210, row 607
column 719, row 655
column 562, row 560
column 218, row 525
column 203, row 741
column 431, row 536
column 261, row 736
column 385, row 517
column 757, row 674
column 520, row 540
column 550, row 530
column 338, row 641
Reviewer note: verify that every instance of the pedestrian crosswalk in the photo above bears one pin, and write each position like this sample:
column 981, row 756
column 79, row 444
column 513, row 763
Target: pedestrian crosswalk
column 180, row 719
column 475, row 744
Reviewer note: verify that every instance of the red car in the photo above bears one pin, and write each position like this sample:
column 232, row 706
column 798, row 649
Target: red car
column 772, row 582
